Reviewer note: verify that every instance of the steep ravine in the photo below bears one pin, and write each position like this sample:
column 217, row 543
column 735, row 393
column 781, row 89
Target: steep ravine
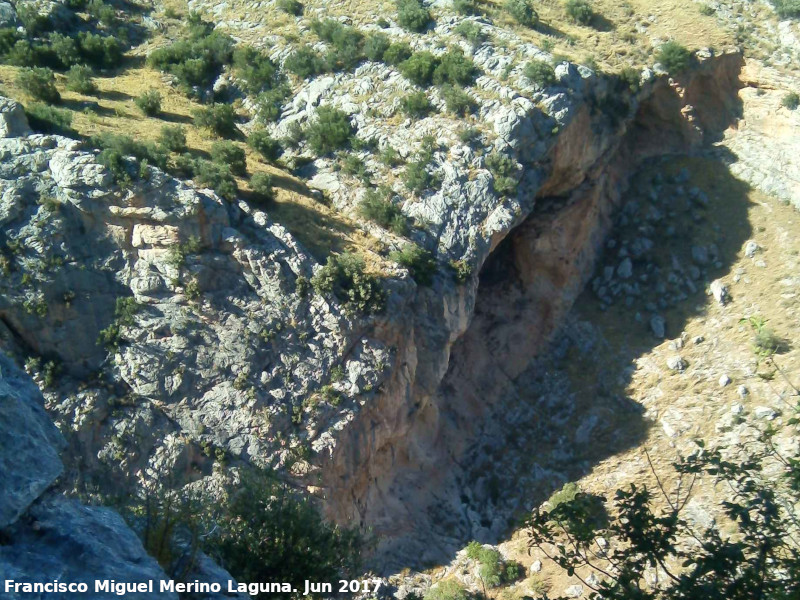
column 398, row 468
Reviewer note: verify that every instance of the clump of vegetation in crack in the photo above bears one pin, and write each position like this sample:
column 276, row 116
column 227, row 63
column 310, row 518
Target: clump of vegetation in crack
column 449, row 589
column 504, row 170
column 345, row 276
column 412, row 15
column 116, row 148
column 330, row 131
column 540, row 73
column 419, row 262
column 787, row 9
column 125, row 310
column 416, row 176
column 791, row 101
column 522, row 11
column 378, row 207
column 416, row 104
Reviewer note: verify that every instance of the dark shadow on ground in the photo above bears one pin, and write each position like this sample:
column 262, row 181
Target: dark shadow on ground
column 113, row 95
column 90, row 105
column 175, row 118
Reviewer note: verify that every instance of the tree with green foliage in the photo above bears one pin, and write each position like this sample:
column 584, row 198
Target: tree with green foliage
column 376, row 45
column 255, row 70
column 218, row 177
column 419, row 262
column 262, row 142
column 416, row 104
column 504, row 171
column 412, row 15
column 454, row 68
column 756, row 554
column 219, row 118
column 674, row 57
column 149, row 102
column 580, row 11
column 304, row 62
column 79, row 79
column 458, row 101
column 292, row 7
column 397, row 53
column 40, row 83
column 522, row 11
column 173, row 138
column 230, row 154
column 377, row 207
column 540, row 73
column 787, row 9
column 419, row 68
column 262, row 186
column 330, row 131
column 345, row 276
column 472, row 32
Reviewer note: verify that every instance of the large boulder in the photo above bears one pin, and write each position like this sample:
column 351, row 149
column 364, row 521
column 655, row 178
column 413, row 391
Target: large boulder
column 29, row 443
column 13, row 122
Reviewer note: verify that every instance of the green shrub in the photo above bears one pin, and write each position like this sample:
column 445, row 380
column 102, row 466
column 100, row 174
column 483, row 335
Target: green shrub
column 149, row 102
column 791, row 101
column 344, row 275
column 219, row 118
column 33, row 22
column 418, row 261
column 674, row 57
column 79, row 79
column 566, row 494
column 346, row 43
column 49, row 119
column 630, row 78
column 522, row 11
column 376, row 45
column 263, row 143
column 390, row 157
column 268, row 532
column 114, row 149
column 270, row 103
column 462, row 270
column 503, row 171
column 416, row 104
column 579, row 11
column 261, row 184
column 99, row 51
column 378, row 208
column 40, row 83
column 255, row 69
column 228, row 153
column 125, row 310
column 330, row 131
column 419, row 68
column 65, row 49
column 540, row 73
column 472, row 32
column 448, row 589
column 102, row 12
column 457, row 100
column 416, row 176
column 197, row 58
column 454, row 68
column 469, row 135
column 787, row 9
column 304, row 62
column 353, row 165
column 292, row 7
column 465, row 7
column 218, row 177
column 412, row 15
column 173, row 138
column 9, row 36
column 396, row 53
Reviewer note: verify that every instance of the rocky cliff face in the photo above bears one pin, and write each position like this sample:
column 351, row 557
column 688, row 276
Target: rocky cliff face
column 211, row 351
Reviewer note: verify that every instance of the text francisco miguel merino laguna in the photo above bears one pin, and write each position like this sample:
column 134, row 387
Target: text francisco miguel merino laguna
column 119, row 588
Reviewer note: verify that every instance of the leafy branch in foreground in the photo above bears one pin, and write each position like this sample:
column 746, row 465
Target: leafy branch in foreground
column 647, row 535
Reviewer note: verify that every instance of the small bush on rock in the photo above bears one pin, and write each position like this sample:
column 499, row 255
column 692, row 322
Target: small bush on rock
column 215, row 176
column 378, row 208
column 412, row 15
column 471, row 31
column 376, row 45
column 304, row 62
column 540, row 73
column 674, row 57
column 465, row 7
column 418, row 261
column 228, row 153
column 787, row 9
column 40, row 83
column 457, row 100
column 331, row 130
column 345, row 276
column 791, row 101
column 454, row 68
column 416, row 104
column 396, row 53
column 449, row 589
column 503, row 171
column 522, row 11
column 419, row 68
